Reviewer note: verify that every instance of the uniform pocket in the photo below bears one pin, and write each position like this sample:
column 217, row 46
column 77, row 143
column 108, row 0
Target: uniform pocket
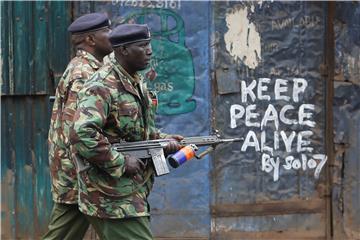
column 100, row 181
column 129, row 109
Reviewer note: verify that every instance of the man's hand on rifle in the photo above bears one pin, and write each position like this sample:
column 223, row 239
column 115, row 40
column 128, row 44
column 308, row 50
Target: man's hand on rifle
column 133, row 166
column 173, row 146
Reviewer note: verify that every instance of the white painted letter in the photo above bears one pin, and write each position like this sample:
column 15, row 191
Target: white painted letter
column 248, row 90
column 247, row 143
column 270, row 115
column 250, row 115
column 301, row 142
column 262, row 88
column 263, row 143
column 282, row 116
column 236, row 112
column 304, row 161
column 265, row 163
column 323, row 159
column 280, row 89
column 312, row 163
column 276, row 140
column 288, row 161
column 268, row 164
column 308, row 115
column 299, row 86
column 288, row 140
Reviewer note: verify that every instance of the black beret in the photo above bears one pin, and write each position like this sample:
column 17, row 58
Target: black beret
column 89, row 22
column 129, row 33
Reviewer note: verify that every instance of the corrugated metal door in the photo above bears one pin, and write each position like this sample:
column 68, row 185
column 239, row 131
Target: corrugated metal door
column 33, row 37
column 346, row 168
column 270, row 90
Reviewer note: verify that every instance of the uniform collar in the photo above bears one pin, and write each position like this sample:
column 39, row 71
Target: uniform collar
column 135, row 80
column 129, row 82
column 93, row 62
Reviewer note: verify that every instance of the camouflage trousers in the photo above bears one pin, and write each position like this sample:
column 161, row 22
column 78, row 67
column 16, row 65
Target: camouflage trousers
column 66, row 223
column 135, row 228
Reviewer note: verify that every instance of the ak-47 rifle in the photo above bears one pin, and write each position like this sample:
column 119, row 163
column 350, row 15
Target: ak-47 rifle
column 154, row 149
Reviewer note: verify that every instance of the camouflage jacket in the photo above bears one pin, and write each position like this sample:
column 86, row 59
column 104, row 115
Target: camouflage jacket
column 62, row 170
column 112, row 106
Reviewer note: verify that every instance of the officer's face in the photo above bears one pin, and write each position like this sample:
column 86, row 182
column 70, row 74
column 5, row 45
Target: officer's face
column 139, row 54
column 102, row 43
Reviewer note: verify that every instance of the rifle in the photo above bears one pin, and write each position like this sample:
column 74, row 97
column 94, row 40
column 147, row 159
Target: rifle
column 154, row 149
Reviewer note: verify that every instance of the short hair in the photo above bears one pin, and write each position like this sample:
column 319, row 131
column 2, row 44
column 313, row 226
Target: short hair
column 78, row 39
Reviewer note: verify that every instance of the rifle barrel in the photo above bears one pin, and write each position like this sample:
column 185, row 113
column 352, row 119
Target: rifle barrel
column 208, row 140
column 232, row 140
column 199, row 141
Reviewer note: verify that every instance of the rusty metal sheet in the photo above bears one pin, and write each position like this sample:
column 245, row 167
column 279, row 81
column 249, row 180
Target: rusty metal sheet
column 59, row 18
column 31, row 55
column 4, row 49
column 276, row 46
column 34, row 36
column 347, row 51
column 347, row 183
column 270, row 227
column 26, row 199
column 23, row 62
column 269, row 208
column 346, row 173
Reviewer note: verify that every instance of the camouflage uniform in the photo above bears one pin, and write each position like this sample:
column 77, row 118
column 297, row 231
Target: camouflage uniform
column 66, row 221
column 63, row 174
column 112, row 106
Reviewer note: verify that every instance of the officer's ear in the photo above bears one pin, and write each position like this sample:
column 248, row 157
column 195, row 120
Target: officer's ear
column 124, row 50
column 90, row 40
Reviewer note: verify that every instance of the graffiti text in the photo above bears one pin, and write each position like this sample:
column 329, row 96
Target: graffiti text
column 281, row 125
column 171, row 4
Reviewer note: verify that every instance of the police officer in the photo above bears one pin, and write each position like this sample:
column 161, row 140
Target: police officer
column 115, row 105
column 90, row 37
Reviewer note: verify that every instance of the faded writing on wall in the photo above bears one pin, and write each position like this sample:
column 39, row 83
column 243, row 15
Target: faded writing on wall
column 170, row 4
column 305, row 22
column 173, row 84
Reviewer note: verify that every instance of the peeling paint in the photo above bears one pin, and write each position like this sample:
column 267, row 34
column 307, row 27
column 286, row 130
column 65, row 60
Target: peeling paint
column 242, row 40
column 353, row 64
